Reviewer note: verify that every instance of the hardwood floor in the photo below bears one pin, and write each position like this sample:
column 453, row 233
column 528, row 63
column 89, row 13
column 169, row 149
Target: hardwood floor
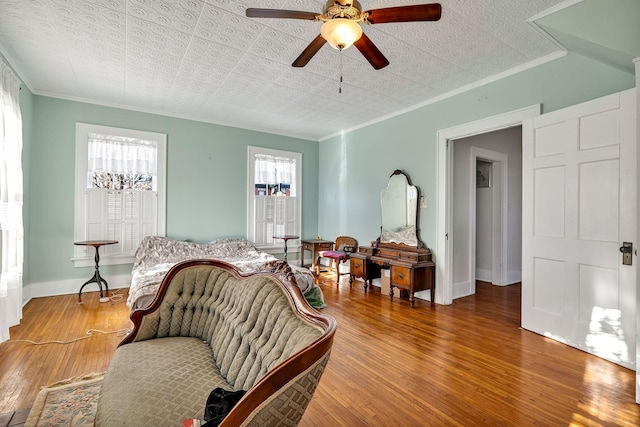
column 25, row 367
column 464, row 364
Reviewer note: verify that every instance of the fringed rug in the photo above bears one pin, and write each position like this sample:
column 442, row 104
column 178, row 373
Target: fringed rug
column 70, row 402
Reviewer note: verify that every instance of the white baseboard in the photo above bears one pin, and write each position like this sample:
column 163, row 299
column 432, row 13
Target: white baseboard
column 425, row 295
column 484, row 275
column 514, row 277
column 70, row 286
column 461, row 289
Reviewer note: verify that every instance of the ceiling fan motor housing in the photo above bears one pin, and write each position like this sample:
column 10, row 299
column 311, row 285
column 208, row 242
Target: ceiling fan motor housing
column 349, row 9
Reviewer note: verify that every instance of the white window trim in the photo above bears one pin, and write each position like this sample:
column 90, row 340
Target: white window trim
column 82, row 132
column 278, row 247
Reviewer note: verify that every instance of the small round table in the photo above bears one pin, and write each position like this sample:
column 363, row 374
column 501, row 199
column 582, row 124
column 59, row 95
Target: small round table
column 96, row 275
column 286, row 237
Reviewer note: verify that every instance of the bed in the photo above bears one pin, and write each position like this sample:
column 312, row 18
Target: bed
column 156, row 255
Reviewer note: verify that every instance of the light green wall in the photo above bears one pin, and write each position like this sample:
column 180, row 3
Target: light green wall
column 206, row 180
column 207, row 163
column 358, row 164
column 612, row 24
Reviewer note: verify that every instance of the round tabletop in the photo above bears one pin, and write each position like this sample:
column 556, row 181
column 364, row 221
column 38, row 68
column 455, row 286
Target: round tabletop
column 96, row 242
column 286, row 237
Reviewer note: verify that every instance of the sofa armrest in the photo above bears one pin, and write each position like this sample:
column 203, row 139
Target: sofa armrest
column 289, row 402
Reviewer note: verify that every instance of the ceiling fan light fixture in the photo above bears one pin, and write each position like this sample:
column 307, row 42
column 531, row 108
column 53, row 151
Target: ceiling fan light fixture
column 341, row 33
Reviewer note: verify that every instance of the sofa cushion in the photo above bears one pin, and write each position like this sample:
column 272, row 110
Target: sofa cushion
column 248, row 322
column 158, row 382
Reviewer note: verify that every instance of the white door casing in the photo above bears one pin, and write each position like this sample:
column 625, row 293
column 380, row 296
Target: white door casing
column 499, row 216
column 636, row 61
column 579, row 206
column 443, row 250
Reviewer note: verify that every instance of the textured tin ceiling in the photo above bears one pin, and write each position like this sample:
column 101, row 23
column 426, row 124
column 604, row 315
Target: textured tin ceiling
column 204, row 60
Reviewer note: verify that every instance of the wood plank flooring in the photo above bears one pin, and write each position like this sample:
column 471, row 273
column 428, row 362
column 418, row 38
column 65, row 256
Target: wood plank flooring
column 460, row 365
column 25, row 367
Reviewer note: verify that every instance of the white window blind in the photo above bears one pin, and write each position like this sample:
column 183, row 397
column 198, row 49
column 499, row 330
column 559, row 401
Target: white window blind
column 275, row 216
column 119, row 190
column 274, row 196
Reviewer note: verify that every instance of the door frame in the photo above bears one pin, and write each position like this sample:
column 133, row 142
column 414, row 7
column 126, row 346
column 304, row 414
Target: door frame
column 636, row 62
column 444, row 249
column 499, row 205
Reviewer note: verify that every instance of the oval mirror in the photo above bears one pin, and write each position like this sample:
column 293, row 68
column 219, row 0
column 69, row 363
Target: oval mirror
column 399, row 203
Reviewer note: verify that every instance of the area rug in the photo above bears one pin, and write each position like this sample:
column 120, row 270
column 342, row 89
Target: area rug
column 70, row 402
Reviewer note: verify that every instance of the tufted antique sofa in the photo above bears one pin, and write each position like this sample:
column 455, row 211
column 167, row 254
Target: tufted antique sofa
column 212, row 326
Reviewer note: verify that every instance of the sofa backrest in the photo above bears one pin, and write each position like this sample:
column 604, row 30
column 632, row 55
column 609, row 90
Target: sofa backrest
column 251, row 323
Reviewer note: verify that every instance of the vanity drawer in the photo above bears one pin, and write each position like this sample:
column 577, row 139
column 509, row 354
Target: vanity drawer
column 357, row 267
column 401, row 276
column 387, row 253
column 410, row 256
column 366, row 250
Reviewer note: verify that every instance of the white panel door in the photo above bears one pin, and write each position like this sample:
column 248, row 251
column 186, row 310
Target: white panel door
column 579, row 206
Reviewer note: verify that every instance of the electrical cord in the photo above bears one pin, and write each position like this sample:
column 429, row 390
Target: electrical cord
column 116, row 297
column 90, row 332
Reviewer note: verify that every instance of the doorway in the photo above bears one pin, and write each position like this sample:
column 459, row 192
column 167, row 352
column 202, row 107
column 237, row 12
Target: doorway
column 445, row 215
column 486, row 229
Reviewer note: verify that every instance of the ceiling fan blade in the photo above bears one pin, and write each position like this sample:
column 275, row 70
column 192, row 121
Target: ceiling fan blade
column 422, row 12
column 371, row 52
column 309, row 52
column 279, row 13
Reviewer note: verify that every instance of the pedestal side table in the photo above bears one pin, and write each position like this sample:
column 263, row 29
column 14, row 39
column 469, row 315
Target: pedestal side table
column 286, row 238
column 96, row 275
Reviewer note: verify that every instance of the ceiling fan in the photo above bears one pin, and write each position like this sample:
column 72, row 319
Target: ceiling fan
column 341, row 25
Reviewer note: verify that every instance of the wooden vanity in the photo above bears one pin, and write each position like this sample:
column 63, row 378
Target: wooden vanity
column 410, row 268
column 398, row 248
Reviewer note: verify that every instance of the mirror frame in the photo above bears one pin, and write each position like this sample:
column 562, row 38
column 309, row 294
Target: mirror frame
column 419, row 243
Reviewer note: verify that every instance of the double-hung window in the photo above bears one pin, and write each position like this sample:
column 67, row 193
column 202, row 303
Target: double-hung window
column 120, row 190
column 274, row 196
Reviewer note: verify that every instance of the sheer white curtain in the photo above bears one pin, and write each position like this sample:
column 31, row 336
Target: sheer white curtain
column 110, row 153
column 11, row 232
column 275, row 170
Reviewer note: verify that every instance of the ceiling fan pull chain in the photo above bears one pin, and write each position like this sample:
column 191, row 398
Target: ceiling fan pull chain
column 340, row 85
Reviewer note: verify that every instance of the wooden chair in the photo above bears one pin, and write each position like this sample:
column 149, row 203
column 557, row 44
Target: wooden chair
column 343, row 247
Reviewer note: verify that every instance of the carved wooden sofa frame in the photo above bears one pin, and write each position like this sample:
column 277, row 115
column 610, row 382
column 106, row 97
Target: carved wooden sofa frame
column 275, row 346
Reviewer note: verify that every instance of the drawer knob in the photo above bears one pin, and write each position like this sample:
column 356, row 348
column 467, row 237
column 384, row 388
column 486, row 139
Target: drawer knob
column 400, row 276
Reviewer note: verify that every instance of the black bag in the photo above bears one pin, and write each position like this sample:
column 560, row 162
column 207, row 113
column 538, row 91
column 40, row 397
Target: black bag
column 219, row 403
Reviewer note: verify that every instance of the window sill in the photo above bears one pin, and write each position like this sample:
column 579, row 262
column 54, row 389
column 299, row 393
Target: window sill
column 104, row 260
column 280, row 249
